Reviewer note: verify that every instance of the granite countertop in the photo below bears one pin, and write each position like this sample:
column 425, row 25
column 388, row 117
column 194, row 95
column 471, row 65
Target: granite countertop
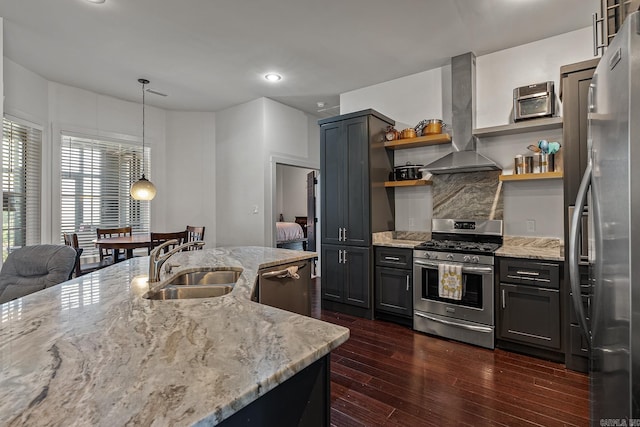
column 92, row 351
column 400, row 239
column 532, row 248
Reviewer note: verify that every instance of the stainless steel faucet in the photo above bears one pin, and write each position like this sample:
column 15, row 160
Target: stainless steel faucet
column 156, row 258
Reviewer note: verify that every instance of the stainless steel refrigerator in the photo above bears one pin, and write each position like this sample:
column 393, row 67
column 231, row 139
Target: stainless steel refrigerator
column 611, row 189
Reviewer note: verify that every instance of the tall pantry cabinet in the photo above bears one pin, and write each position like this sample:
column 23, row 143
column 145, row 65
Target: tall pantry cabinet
column 354, row 204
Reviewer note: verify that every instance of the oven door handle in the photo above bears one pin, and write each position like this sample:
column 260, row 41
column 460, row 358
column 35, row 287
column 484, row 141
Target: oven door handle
column 475, row 328
column 481, row 270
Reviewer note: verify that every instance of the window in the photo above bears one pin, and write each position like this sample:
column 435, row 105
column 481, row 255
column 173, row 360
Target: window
column 21, row 171
column 95, row 180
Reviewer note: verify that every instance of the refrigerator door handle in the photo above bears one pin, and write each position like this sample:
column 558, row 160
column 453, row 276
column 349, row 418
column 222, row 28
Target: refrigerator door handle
column 574, row 234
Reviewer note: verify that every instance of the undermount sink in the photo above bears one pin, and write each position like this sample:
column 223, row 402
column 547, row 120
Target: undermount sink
column 206, row 277
column 184, row 292
column 203, row 283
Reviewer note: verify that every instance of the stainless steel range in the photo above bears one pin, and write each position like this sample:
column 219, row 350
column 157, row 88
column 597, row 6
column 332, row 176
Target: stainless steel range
column 467, row 248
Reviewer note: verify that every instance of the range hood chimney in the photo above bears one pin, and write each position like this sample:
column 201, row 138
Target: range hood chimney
column 464, row 157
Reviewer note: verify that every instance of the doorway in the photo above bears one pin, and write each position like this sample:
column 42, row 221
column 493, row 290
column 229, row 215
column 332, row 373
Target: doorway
column 297, row 206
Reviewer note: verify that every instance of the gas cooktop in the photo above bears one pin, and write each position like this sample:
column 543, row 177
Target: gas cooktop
column 459, row 246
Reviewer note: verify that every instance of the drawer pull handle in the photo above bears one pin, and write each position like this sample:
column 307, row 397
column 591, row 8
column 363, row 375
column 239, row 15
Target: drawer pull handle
column 528, row 273
column 407, row 283
column 484, row 329
column 392, row 258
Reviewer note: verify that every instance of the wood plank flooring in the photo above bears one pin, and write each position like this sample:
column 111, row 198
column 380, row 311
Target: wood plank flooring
column 387, row 374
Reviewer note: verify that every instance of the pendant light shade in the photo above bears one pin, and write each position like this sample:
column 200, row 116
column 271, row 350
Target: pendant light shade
column 143, row 189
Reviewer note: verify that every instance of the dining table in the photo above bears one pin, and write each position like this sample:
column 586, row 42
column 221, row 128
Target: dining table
column 126, row 243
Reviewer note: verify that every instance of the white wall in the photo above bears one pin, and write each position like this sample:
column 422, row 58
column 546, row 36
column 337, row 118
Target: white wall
column 26, row 95
column 191, row 173
column 497, row 74
column 251, row 139
column 407, row 99
column 287, row 141
column 239, row 166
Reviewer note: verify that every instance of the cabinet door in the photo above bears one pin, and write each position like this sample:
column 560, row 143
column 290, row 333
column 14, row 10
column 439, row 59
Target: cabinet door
column 332, row 181
column 530, row 315
column 394, row 291
column 358, row 264
column 357, row 216
column 574, row 137
column 333, row 273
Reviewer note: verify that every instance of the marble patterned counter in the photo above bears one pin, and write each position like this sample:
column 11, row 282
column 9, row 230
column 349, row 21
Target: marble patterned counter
column 531, row 248
column 400, row 239
column 92, row 351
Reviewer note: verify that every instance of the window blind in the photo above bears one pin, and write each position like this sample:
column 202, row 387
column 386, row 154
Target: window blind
column 96, row 176
column 21, row 174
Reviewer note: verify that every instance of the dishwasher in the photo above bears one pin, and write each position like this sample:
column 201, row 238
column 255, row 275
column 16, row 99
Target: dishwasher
column 286, row 286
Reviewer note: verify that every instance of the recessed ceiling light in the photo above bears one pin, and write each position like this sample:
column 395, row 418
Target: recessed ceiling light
column 273, row 77
column 96, row 1
column 321, row 104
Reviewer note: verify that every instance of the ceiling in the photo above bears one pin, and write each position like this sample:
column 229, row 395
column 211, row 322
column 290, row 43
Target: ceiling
column 208, row 55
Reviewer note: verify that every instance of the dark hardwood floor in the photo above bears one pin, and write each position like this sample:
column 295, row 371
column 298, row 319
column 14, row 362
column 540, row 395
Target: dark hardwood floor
column 387, row 374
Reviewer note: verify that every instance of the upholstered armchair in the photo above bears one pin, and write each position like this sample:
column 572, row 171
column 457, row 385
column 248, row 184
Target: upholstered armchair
column 33, row 268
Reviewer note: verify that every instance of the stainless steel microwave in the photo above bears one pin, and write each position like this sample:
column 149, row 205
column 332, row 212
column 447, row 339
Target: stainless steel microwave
column 532, row 101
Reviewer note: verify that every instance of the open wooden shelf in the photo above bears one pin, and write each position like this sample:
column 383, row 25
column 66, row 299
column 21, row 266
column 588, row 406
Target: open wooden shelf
column 421, row 141
column 531, row 176
column 532, row 125
column 408, row 183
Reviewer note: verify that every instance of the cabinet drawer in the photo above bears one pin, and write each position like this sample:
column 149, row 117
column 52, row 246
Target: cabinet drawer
column 532, row 273
column 394, row 257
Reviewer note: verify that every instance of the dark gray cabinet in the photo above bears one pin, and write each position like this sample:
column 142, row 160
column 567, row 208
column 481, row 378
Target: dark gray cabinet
column 575, row 80
column 354, row 204
column 353, row 164
column 345, row 278
column 529, row 307
column 394, row 284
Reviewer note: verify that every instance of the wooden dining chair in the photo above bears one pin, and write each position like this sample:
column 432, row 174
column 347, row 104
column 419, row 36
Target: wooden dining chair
column 105, row 254
column 160, row 238
column 80, row 269
column 194, row 233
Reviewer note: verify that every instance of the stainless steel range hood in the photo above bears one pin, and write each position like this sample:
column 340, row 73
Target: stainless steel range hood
column 464, row 157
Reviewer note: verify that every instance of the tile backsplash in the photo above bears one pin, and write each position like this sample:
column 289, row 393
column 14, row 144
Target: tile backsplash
column 472, row 195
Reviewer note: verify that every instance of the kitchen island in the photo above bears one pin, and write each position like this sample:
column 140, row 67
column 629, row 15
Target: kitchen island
column 93, row 351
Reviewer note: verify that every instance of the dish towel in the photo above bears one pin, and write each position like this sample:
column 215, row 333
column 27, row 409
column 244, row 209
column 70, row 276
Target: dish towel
column 450, row 281
column 291, row 272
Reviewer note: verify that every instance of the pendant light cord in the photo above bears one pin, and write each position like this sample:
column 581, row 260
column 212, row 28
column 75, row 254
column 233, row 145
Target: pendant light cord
column 143, row 128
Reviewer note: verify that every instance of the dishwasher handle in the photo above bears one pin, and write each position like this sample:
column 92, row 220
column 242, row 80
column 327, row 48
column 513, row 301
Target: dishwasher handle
column 285, row 273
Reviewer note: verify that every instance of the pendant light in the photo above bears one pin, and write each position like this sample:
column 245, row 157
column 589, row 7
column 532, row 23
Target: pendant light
column 143, row 189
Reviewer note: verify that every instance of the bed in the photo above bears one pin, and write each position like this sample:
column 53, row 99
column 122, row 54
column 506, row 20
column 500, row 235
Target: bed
column 290, row 235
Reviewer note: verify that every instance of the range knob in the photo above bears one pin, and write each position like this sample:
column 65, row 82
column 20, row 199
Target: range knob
column 475, row 259
column 466, row 258
column 449, row 256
